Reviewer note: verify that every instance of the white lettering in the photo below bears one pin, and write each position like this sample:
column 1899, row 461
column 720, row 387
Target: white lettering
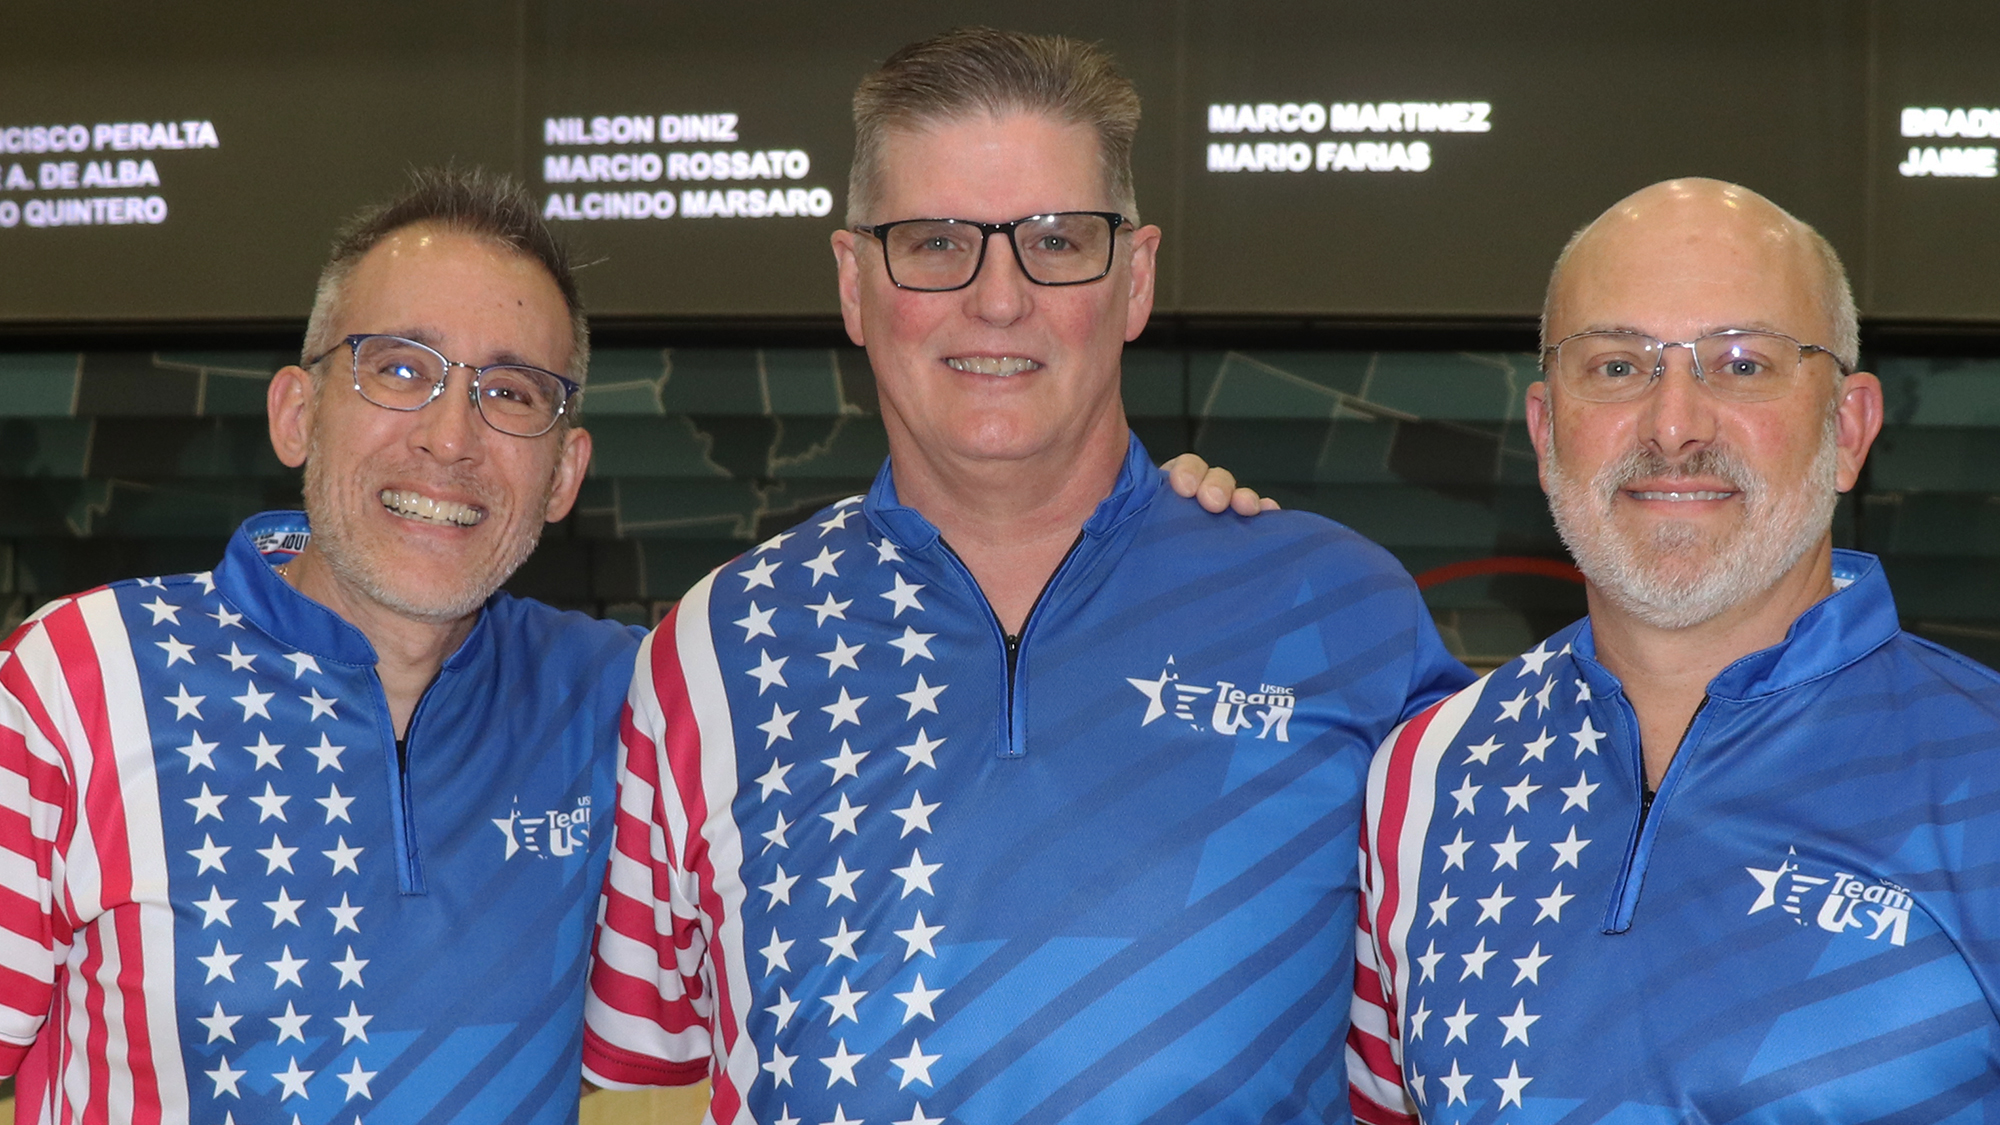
column 1979, row 163
column 1267, row 117
column 1408, row 117
column 120, row 174
column 623, row 129
column 709, row 127
column 97, row 210
column 768, row 164
column 1937, row 121
column 1372, row 156
column 44, row 138
column 623, row 167
column 610, row 205
column 756, row 203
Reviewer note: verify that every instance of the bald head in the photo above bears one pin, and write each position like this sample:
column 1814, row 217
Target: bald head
column 1715, row 247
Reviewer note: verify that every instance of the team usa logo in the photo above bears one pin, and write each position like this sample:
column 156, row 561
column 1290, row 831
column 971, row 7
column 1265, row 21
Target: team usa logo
column 1836, row 903
column 549, row 834
column 1222, row 707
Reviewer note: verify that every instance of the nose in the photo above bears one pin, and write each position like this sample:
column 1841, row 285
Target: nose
column 450, row 428
column 1001, row 294
column 1680, row 413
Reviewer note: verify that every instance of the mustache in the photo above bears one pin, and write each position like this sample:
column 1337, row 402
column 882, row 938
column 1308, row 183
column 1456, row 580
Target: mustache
column 1639, row 463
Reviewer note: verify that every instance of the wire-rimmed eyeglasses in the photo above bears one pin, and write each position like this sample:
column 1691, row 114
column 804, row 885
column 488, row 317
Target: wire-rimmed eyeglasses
column 1741, row 365
column 396, row 373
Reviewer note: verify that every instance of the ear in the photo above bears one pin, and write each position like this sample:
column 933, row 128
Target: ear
column 1145, row 270
column 288, row 405
column 1541, row 427
column 847, row 267
column 1858, row 417
column 571, row 464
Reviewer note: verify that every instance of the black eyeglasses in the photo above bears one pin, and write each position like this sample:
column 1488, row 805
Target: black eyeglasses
column 400, row 374
column 940, row 255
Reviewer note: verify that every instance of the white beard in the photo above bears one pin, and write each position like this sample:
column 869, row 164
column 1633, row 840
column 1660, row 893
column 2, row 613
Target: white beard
column 1679, row 576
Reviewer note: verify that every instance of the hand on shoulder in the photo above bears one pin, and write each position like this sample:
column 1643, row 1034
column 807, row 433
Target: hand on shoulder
column 1214, row 487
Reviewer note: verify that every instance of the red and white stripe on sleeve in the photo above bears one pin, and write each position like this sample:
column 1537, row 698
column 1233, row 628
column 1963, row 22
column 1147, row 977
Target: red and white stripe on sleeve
column 87, row 1016
column 1402, row 789
column 668, row 972
column 34, row 792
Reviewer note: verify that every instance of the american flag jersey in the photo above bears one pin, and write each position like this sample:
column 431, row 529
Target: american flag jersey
column 1805, row 927
column 223, row 902
column 858, row 877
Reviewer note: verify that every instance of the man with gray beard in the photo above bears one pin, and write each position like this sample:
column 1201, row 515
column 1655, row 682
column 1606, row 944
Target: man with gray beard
column 1731, row 844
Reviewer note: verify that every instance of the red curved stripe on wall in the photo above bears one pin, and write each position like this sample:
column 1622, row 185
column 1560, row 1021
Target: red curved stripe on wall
column 1499, row 564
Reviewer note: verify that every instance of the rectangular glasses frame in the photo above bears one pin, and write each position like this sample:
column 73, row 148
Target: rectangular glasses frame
column 879, row 232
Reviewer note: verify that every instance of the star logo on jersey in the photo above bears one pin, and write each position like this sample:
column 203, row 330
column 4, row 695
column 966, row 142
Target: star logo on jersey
column 545, row 834
column 1844, row 901
column 1224, row 707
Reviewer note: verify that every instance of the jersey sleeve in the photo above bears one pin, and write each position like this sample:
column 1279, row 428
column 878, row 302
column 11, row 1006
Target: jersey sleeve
column 647, row 1015
column 1377, row 1093
column 36, row 791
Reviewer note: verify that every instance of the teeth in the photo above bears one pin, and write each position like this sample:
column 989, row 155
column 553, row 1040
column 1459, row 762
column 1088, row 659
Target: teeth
column 417, row 506
column 1677, row 497
column 991, row 365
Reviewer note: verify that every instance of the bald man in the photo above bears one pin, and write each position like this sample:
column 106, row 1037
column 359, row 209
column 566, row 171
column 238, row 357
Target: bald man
column 1728, row 849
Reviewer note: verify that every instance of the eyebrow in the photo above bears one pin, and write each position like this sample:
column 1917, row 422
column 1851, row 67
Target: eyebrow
column 429, row 339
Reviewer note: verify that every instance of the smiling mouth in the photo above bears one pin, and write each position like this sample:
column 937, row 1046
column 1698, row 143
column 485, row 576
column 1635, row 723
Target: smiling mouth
column 1680, row 497
column 1001, row 365
column 423, row 509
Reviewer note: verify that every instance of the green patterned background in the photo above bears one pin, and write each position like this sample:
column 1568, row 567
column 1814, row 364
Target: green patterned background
column 125, row 463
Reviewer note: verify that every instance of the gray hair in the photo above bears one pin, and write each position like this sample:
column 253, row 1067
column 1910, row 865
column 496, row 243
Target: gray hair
column 463, row 201
column 973, row 70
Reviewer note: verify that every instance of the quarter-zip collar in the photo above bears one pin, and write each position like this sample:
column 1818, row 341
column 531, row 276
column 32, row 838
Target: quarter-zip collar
column 1138, row 482
column 248, row 579
column 1841, row 628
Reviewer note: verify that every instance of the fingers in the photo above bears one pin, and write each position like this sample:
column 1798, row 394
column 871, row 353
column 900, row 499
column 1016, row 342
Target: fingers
column 1218, row 490
column 1184, row 474
column 1214, row 487
column 1246, row 502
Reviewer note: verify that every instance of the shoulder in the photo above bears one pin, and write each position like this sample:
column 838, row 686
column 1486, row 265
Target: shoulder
column 111, row 595
column 86, row 630
column 839, row 527
column 1930, row 671
column 827, row 543
column 525, row 619
column 1285, row 540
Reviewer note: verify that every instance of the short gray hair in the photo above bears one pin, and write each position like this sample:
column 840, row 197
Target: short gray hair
column 973, row 70
column 463, row 201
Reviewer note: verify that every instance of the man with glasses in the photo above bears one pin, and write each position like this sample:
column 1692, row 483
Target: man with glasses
column 1728, row 849
column 1017, row 789
column 318, row 834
